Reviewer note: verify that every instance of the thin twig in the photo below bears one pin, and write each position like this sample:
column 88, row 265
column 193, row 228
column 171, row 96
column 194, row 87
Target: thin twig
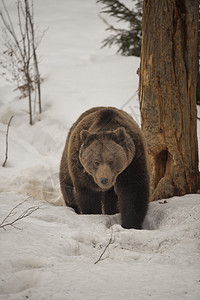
column 23, row 215
column 10, row 213
column 106, row 247
column 37, row 74
column 9, row 26
column 9, row 23
column 6, row 155
column 109, row 25
column 20, row 56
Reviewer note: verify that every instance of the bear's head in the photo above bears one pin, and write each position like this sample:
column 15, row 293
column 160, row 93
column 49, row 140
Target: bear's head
column 104, row 155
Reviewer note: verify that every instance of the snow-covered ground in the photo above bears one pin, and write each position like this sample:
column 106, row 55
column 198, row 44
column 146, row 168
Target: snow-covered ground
column 54, row 253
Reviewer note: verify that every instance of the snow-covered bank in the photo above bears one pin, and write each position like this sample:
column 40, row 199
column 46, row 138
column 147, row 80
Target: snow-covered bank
column 53, row 255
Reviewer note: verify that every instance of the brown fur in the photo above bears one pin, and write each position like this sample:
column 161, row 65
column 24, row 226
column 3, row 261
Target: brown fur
column 104, row 164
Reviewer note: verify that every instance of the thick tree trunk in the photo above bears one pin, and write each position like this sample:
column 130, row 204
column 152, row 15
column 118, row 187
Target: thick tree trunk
column 167, row 94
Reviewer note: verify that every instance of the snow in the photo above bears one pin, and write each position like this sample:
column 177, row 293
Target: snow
column 54, row 253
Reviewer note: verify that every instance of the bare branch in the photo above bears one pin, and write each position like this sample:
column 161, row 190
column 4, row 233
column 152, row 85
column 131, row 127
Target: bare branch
column 37, row 79
column 20, row 58
column 106, row 247
column 21, row 216
column 9, row 26
column 109, row 25
column 6, row 155
column 12, row 210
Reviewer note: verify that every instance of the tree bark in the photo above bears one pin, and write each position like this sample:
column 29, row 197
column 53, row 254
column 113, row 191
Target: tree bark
column 167, row 92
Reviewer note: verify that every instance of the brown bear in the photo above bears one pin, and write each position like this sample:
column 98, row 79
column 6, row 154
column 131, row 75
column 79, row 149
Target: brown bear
column 104, row 166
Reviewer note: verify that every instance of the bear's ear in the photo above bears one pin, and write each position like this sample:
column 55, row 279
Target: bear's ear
column 83, row 135
column 120, row 133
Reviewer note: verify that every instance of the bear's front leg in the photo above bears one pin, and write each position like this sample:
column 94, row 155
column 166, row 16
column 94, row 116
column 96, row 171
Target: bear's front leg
column 110, row 202
column 133, row 205
column 88, row 201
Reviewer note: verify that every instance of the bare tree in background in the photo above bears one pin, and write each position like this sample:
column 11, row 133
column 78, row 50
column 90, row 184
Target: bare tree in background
column 19, row 57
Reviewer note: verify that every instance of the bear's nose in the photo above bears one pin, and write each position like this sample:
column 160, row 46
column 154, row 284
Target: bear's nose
column 104, row 180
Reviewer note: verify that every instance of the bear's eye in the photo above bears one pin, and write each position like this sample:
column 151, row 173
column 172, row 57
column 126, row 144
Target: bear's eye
column 96, row 163
column 110, row 163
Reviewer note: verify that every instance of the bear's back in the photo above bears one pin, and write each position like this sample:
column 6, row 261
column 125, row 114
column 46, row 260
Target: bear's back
column 104, row 119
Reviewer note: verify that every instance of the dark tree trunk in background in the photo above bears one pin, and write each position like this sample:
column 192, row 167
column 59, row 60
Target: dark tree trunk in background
column 167, row 90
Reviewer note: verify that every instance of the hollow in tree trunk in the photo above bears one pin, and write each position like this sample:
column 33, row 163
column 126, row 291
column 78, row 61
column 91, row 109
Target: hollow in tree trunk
column 167, row 94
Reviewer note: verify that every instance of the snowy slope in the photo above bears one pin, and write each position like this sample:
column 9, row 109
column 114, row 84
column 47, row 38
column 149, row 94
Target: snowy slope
column 53, row 255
